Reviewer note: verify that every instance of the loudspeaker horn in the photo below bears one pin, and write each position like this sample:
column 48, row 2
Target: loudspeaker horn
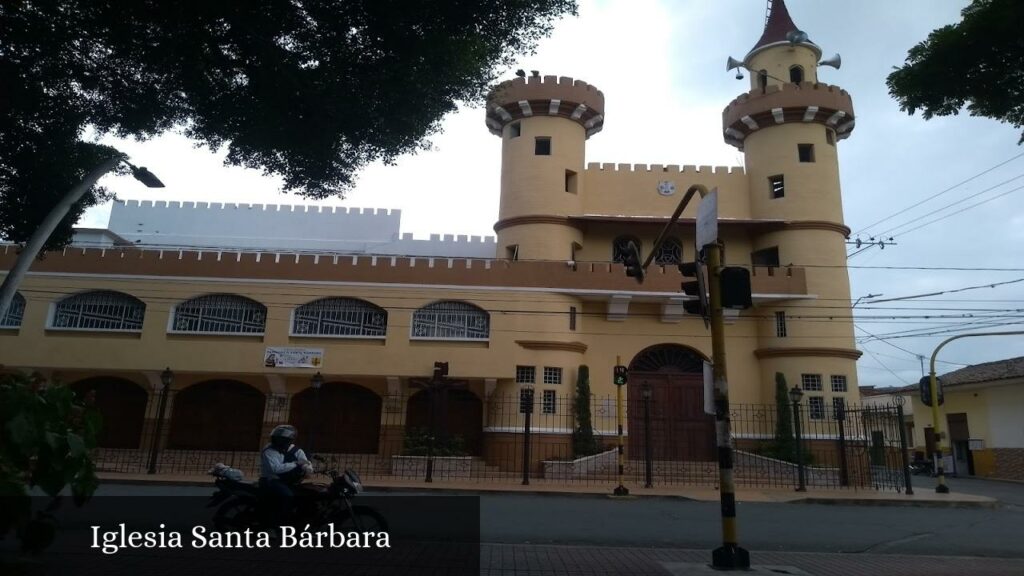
column 732, row 63
column 834, row 62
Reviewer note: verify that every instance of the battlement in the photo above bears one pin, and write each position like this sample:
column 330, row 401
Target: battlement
column 665, row 168
column 778, row 104
column 306, row 208
column 545, row 96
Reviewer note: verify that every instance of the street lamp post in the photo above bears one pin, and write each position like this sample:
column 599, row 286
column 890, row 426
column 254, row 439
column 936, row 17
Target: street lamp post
column 795, row 395
column 648, row 448
column 166, row 379
column 317, row 382
column 60, row 210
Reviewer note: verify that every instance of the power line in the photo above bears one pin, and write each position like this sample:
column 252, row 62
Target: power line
column 952, row 291
column 936, row 195
column 975, row 205
column 950, row 205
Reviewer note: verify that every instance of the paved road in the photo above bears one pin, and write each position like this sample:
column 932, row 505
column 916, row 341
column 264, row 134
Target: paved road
column 675, row 523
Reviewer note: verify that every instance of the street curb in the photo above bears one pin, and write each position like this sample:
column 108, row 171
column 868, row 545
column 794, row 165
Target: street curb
column 634, row 495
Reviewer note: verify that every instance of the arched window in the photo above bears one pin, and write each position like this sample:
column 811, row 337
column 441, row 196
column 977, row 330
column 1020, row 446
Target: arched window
column 340, row 317
column 451, row 320
column 619, row 247
column 15, row 312
column 796, row 74
column 99, row 310
column 219, row 314
column 670, row 252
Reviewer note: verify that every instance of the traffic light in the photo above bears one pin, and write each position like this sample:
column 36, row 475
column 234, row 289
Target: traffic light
column 632, row 261
column 619, row 376
column 694, row 287
column 736, row 292
column 926, row 390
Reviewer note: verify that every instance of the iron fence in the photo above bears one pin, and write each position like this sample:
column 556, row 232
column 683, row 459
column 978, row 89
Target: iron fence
column 526, row 438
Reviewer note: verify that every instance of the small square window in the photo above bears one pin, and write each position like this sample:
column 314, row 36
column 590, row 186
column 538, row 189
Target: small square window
column 765, row 257
column 552, row 375
column 514, row 130
column 838, row 383
column 526, row 401
column 526, row 374
column 816, row 407
column 811, row 382
column 777, row 186
column 549, row 402
column 805, row 152
column 512, row 252
column 542, row 146
column 570, row 181
column 780, row 324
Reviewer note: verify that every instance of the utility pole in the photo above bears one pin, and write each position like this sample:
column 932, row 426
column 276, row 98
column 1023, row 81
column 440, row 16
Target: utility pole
column 940, row 473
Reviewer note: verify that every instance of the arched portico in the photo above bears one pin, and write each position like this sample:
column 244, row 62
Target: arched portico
column 459, row 413
column 122, row 407
column 217, row 415
column 340, row 418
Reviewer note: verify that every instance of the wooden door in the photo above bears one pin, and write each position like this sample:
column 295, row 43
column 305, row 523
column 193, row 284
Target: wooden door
column 341, row 419
column 680, row 430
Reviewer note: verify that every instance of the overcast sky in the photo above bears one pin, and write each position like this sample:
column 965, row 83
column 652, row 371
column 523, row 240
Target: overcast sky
column 661, row 66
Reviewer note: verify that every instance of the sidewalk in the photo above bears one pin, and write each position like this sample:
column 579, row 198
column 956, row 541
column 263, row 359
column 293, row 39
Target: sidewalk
column 921, row 497
column 536, row 560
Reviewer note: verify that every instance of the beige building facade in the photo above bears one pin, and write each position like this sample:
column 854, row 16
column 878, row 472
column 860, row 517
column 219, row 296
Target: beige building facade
column 552, row 297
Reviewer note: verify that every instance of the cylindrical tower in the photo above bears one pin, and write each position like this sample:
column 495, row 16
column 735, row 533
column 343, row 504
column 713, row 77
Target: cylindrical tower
column 788, row 127
column 544, row 124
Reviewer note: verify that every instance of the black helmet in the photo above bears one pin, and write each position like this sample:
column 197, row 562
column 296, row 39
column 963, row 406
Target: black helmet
column 283, row 436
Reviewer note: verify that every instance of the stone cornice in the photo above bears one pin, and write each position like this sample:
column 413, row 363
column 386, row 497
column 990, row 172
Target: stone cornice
column 534, row 219
column 578, row 347
column 806, row 351
column 823, row 104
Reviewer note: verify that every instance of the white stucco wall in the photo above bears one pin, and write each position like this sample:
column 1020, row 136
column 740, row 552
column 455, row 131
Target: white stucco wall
column 1006, row 416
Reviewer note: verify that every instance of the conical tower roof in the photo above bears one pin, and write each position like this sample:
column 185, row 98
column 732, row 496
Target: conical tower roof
column 778, row 24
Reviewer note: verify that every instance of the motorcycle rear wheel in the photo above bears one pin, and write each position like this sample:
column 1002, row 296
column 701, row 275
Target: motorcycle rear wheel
column 361, row 519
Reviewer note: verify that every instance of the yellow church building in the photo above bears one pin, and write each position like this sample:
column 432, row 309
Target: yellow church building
column 249, row 306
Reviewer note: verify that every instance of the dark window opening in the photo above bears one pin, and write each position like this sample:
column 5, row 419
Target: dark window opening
column 512, row 252
column 514, row 130
column 796, row 74
column 780, row 324
column 620, row 247
column 542, row 146
column 805, row 152
column 570, row 181
column 830, row 136
column 762, row 79
column 572, row 318
column 765, row 257
column 777, row 186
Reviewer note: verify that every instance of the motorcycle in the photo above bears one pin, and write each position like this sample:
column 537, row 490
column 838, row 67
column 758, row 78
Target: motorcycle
column 239, row 504
column 921, row 467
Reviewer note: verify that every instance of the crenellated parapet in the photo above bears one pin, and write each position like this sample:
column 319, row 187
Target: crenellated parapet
column 823, row 104
column 545, row 96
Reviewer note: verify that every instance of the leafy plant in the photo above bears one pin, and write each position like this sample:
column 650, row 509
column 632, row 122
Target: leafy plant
column 45, row 443
column 785, row 441
column 417, row 443
column 583, row 441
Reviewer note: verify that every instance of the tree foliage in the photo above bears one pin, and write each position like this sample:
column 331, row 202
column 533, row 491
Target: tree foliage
column 45, row 443
column 977, row 63
column 308, row 90
column 584, row 443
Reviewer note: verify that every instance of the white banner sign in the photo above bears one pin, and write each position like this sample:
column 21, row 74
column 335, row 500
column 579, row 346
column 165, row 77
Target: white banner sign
column 707, row 219
column 293, row 357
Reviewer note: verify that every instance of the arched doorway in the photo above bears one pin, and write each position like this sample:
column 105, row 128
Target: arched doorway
column 459, row 413
column 680, row 430
column 217, row 415
column 122, row 407
column 341, row 418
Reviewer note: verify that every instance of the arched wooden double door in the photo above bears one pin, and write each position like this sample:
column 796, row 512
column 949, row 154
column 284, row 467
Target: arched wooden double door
column 122, row 408
column 340, row 418
column 217, row 415
column 680, row 430
column 458, row 413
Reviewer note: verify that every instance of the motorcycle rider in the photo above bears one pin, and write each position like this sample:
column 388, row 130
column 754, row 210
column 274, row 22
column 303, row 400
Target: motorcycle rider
column 282, row 466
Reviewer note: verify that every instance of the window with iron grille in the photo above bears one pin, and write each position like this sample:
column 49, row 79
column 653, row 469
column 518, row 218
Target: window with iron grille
column 451, row 320
column 811, row 382
column 220, row 314
column 838, row 407
column 777, row 186
column 15, row 312
column 340, row 317
column 619, row 247
column 816, row 407
column 838, row 383
column 552, row 375
column 526, row 374
column 526, row 401
column 99, row 310
column 670, row 252
column 780, row 324
column 548, row 404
